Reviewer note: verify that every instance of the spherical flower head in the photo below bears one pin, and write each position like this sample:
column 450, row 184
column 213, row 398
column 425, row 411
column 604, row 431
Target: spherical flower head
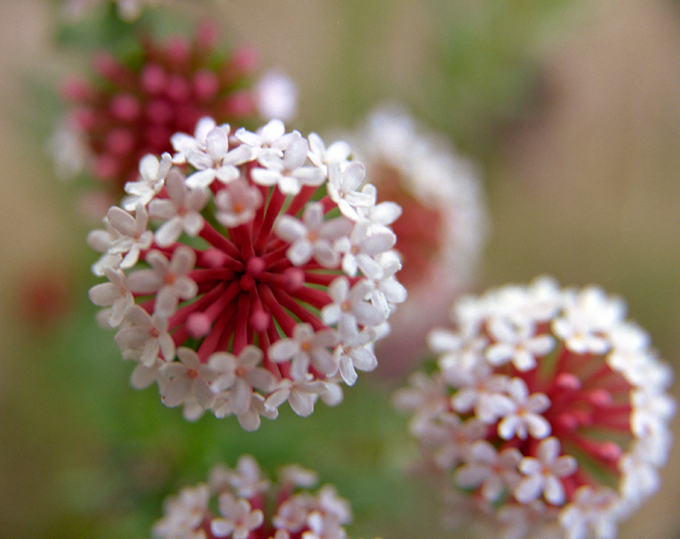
column 237, row 278
column 547, row 408
column 441, row 229
column 135, row 103
column 241, row 503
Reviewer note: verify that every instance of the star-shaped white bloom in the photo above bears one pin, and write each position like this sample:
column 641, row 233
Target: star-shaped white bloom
column 489, row 469
column 240, row 375
column 237, row 203
column 133, row 234
column 360, row 248
column 355, row 351
column 542, row 475
column 148, row 334
column 313, row 236
column 343, row 185
column 518, row 344
column 306, row 347
column 526, row 417
column 168, row 279
column 215, row 160
column 181, row 211
column 349, row 308
column 338, row 152
column 290, row 172
column 238, row 518
column 188, row 377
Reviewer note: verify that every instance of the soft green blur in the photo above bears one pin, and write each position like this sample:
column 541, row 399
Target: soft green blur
column 570, row 108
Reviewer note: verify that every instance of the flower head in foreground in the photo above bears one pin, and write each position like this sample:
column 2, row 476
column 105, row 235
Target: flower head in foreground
column 547, row 410
column 241, row 504
column 136, row 104
column 246, row 275
column 442, row 227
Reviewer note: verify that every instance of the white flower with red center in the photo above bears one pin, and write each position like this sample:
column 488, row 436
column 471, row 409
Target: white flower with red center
column 487, row 468
column 148, row 334
column 247, row 270
column 587, row 394
column 238, row 203
column 256, row 508
column 313, row 237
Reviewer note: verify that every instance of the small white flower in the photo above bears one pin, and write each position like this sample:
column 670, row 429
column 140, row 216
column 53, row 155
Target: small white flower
column 115, row 294
column 237, row 203
column 355, row 352
column 148, row 334
column 238, row 518
column 133, row 236
column 240, row 375
column 313, row 236
column 349, row 308
column 360, row 249
column 306, row 348
column 338, row 152
column 290, row 172
column 542, row 474
column 168, row 279
column 181, row 211
column 343, row 185
column 518, row 344
column 153, row 173
column 526, row 418
column 187, row 378
column 588, row 317
column 491, row 470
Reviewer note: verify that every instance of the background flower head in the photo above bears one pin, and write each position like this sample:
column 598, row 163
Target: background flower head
column 547, row 407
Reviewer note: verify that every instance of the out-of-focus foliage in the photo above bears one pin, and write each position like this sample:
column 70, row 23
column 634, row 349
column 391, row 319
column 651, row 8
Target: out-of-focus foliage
column 487, row 66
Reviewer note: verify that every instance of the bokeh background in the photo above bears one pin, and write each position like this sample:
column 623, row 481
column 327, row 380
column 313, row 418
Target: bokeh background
column 572, row 110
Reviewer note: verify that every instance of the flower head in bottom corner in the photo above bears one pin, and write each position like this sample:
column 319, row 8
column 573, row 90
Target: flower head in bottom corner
column 547, row 412
column 241, row 503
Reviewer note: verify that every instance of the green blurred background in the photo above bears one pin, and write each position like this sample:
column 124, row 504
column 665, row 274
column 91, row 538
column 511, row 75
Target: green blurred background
column 571, row 108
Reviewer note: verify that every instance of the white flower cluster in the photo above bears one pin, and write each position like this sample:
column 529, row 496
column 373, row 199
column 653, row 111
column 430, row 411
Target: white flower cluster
column 430, row 171
column 284, row 289
column 535, row 388
column 242, row 497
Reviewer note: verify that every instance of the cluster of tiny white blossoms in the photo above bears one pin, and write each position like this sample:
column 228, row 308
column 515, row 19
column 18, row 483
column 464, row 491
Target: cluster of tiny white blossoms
column 442, row 228
column 547, row 411
column 247, row 270
column 241, row 503
column 444, row 224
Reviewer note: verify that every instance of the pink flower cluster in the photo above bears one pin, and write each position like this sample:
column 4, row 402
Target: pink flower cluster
column 136, row 104
column 242, row 504
column 547, row 411
column 246, row 271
